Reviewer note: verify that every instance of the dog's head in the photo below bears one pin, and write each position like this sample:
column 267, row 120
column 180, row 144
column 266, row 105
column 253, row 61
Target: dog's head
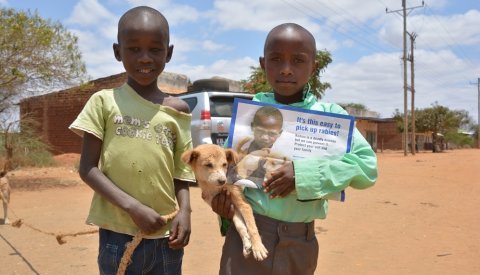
column 209, row 162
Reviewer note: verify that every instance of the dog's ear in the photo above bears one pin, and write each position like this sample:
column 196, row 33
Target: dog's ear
column 190, row 156
column 232, row 156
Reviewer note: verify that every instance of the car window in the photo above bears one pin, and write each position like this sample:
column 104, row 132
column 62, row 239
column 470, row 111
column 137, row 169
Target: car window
column 192, row 102
column 221, row 106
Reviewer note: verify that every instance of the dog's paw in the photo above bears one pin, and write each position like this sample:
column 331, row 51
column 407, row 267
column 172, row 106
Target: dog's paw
column 260, row 253
column 6, row 221
column 247, row 247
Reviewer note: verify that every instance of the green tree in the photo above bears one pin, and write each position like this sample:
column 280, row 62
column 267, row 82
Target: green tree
column 257, row 82
column 37, row 55
column 439, row 120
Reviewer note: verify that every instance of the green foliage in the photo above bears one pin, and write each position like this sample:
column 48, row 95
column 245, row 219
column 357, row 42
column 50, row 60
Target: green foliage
column 257, row 81
column 355, row 106
column 459, row 139
column 36, row 55
column 437, row 120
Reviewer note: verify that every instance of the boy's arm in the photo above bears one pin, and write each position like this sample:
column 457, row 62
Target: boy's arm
column 316, row 178
column 181, row 224
column 144, row 217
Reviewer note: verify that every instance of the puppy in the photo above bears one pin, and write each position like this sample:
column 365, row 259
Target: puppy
column 264, row 158
column 5, row 195
column 209, row 162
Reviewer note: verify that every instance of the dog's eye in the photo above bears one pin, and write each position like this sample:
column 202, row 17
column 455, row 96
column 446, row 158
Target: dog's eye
column 224, row 164
column 209, row 165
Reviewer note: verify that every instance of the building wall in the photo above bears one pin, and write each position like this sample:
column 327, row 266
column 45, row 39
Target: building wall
column 55, row 111
column 369, row 130
column 389, row 138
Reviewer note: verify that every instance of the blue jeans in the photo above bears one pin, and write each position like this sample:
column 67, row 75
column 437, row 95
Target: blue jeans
column 150, row 256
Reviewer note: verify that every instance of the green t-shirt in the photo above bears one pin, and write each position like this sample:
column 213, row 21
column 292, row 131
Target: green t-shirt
column 141, row 150
column 315, row 178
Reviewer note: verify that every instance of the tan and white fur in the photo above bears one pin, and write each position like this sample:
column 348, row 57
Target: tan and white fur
column 209, row 162
column 249, row 162
column 5, row 195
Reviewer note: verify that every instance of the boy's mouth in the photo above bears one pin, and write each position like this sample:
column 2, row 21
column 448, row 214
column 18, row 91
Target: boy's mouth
column 145, row 70
column 286, row 82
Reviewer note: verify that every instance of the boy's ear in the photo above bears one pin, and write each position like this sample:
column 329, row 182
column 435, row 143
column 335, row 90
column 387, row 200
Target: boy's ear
column 261, row 59
column 169, row 53
column 116, row 52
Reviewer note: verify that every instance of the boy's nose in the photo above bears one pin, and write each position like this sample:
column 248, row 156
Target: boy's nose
column 286, row 69
column 144, row 57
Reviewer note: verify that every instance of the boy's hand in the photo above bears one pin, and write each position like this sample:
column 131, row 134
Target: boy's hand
column 181, row 229
column 146, row 218
column 282, row 181
column 222, row 205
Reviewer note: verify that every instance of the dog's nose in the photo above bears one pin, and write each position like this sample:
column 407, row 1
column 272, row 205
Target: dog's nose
column 222, row 181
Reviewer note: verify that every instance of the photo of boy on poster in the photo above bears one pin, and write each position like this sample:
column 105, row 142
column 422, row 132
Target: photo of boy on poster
column 260, row 130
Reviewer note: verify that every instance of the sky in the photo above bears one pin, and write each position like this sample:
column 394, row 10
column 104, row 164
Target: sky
column 225, row 38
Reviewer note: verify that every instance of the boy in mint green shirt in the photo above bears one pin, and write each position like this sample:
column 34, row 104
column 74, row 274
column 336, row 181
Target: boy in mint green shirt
column 286, row 219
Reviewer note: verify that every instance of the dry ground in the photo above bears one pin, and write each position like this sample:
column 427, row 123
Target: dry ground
column 422, row 217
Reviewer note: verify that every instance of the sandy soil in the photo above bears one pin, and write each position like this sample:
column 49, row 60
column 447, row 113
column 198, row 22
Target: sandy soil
column 420, row 218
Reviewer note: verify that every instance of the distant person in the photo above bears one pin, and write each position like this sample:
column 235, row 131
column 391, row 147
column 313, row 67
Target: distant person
column 133, row 138
column 285, row 218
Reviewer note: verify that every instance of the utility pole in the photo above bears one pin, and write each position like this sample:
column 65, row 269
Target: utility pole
column 404, row 58
column 478, row 113
column 412, row 88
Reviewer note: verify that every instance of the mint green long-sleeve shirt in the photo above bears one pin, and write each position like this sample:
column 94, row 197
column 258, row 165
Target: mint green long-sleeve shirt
column 316, row 178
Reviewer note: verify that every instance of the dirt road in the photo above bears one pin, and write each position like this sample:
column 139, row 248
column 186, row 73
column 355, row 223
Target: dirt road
column 422, row 217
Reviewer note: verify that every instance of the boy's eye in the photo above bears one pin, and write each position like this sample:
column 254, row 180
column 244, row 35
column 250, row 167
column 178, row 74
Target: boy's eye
column 299, row 60
column 156, row 50
column 134, row 49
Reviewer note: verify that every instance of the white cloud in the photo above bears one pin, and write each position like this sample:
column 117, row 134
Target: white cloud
column 176, row 14
column 377, row 82
column 88, row 13
column 237, row 69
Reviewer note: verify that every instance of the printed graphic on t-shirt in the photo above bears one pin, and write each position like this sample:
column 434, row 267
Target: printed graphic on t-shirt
column 138, row 128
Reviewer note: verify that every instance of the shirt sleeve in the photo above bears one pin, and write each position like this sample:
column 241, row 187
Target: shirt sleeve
column 316, row 178
column 91, row 118
column 183, row 143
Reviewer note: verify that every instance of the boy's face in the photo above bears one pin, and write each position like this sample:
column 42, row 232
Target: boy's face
column 143, row 49
column 289, row 61
column 266, row 131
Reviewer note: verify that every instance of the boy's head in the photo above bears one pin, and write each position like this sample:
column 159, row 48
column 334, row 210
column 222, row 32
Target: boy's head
column 267, row 126
column 289, row 61
column 143, row 45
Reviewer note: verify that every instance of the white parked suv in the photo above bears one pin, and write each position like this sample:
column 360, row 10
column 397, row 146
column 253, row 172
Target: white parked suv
column 211, row 103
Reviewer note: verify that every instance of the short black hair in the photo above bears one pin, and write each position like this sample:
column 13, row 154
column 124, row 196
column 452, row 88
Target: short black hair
column 267, row 111
column 132, row 14
column 295, row 27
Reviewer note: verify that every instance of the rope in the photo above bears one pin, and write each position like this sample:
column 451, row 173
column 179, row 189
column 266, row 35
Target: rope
column 59, row 236
column 130, row 246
